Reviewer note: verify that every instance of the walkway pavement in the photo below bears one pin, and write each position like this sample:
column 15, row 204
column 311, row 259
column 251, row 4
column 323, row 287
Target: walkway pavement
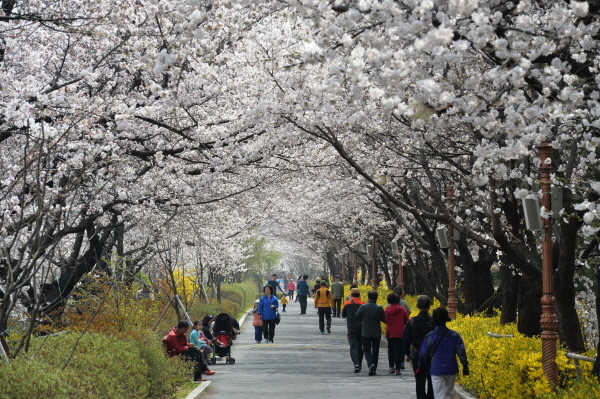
column 302, row 363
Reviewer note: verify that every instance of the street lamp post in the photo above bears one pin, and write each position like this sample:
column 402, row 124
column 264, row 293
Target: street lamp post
column 548, row 320
column 452, row 299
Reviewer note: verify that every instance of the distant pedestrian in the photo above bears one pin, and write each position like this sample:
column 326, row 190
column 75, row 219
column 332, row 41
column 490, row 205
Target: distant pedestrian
column 354, row 328
column 267, row 310
column 396, row 318
column 337, row 290
column 274, row 284
column 400, row 292
column 323, row 304
column 438, row 355
column 371, row 315
column 414, row 335
column 303, row 293
column 284, row 302
column 316, row 287
column 291, row 288
column 257, row 323
column 349, row 297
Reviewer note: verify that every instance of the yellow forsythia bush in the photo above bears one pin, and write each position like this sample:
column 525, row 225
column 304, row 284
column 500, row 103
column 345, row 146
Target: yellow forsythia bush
column 508, row 367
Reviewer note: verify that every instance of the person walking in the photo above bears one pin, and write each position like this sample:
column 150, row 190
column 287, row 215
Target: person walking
column 284, row 302
column 291, row 288
column 274, row 284
column 400, row 292
column 316, row 287
column 414, row 335
column 337, row 290
column 396, row 318
column 302, row 296
column 354, row 328
column 437, row 355
column 323, row 304
column 267, row 311
column 257, row 323
column 371, row 315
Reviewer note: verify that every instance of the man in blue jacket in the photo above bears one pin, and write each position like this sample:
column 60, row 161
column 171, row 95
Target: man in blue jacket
column 438, row 355
column 302, row 288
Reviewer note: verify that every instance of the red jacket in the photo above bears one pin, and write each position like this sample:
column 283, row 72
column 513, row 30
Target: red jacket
column 396, row 318
column 175, row 342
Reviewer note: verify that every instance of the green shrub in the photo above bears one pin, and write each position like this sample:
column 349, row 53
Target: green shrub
column 101, row 367
column 24, row 378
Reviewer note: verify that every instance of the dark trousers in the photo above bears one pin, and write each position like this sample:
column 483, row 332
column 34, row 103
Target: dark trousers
column 371, row 350
column 302, row 300
column 258, row 333
column 291, row 294
column 356, row 350
column 324, row 313
column 395, row 352
column 337, row 307
column 196, row 356
column 421, row 380
column 269, row 329
column 283, row 306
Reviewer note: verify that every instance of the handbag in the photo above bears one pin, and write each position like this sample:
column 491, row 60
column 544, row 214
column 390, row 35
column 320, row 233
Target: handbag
column 277, row 318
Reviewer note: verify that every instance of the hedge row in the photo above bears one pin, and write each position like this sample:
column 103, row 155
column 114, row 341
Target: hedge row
column 101, row 367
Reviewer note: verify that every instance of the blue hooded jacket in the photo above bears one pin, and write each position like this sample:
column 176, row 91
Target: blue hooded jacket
column 264, row 307
column 444, row 359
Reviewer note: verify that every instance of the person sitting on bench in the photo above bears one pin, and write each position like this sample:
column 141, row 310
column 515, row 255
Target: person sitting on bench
column 176, row 344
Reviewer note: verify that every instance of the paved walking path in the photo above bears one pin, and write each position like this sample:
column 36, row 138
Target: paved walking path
column 302, row 363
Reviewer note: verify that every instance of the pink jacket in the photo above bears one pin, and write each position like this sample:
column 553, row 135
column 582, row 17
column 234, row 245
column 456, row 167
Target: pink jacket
column 256, row 321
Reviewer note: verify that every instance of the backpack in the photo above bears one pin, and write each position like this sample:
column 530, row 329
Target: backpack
column 327, row 294
column 419, row 331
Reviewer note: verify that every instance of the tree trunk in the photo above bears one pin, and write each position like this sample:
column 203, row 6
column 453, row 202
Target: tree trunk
column 530, row 309
column 384, row 267
column 477, row 288
column 509, row 288
column 564, row 251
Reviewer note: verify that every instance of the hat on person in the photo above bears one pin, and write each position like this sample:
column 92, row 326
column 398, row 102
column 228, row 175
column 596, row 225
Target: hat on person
column 440, row 316
column 355, row 291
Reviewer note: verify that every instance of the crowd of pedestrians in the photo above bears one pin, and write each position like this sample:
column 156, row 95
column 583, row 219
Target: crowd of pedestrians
column 424, row 341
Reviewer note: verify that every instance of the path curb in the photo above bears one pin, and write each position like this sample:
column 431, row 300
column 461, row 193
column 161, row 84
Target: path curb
column 462, row 393
column 198, row 390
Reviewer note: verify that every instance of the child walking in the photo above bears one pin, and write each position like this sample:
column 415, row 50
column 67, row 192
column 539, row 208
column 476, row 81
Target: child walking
column 257, row 323
column 284, row 301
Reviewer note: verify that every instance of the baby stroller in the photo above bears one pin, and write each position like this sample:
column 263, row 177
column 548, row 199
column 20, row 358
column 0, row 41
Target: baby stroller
column 223, row 331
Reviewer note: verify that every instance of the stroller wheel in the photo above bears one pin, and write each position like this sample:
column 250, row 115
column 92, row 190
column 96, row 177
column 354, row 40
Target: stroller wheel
column 212, row 361
column 231, row 360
